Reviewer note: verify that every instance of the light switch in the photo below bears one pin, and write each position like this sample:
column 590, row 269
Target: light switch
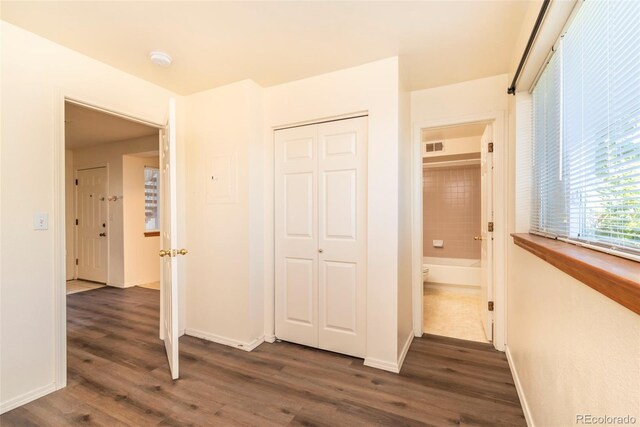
column 41, row 221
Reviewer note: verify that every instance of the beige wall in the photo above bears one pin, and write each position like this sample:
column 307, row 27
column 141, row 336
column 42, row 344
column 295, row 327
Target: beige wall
column 224, row 226
column 30, row 95
column 141, row 260
column 457, row 102
column 111, row 155
column 451, row 211
column 573, row 350
column 405, row 216
column 372, row 88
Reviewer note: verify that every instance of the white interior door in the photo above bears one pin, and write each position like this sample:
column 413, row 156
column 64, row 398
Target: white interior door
column 168, row 231
column 91, row 214
column 342, row 205
column 486, row 262
column 296, row 231
column 320, row 235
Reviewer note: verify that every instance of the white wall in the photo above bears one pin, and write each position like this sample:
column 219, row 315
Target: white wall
column 69, row 185
column 30, row 95
column 110, row 155
column 224, row 223
column 141, row 260
column 371, row 88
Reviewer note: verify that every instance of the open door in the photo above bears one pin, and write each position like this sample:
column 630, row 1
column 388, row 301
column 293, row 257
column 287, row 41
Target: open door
column 168, row 241
column 486, row 261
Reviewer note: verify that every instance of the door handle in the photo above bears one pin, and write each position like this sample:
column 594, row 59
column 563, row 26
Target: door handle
column 163, row 253
column 103, row 234
column 320, row 250
column 477, row 238
column 182, row 251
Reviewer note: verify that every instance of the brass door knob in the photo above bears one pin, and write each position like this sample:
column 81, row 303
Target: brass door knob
column 477, row 238
column 163, row 253
column 182, row 251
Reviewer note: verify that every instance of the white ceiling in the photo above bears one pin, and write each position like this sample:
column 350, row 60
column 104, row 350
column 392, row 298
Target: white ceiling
column 85, row 127
column 219, row 42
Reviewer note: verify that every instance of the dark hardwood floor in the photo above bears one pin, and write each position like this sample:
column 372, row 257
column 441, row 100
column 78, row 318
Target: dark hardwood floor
column 118, row 375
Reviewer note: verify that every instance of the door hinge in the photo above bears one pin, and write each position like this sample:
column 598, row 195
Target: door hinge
column 76, row 261
column 76, row 221
column 490, row 147
column 490, row 227
column 76, row 182
column 490, row 305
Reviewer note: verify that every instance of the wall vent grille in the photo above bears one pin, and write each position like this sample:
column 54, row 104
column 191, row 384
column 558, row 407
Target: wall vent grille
column 432, row 147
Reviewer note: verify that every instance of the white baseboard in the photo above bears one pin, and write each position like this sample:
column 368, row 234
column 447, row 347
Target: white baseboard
column 116, row 285
column 382, row 364
column 270, row 338
column 523, row 399
column 405, row 350
column 246, row 346
column 390, row 366
column 26, row 397
column 181, row 332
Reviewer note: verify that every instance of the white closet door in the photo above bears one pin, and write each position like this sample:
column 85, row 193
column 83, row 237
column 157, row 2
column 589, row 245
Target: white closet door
column 296, row 236
column 342, row 205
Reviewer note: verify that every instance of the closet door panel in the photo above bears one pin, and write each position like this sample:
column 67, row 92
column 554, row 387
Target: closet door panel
column 342, row 240
column 296, row 235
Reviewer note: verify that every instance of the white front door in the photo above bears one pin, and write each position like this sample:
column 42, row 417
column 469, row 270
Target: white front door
column 320, row 230
column 91, row 218
column 486, row 261
column 169, row 238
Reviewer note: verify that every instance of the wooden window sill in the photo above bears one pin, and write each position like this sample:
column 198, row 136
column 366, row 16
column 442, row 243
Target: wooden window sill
column 151, row 233
column 612, row 276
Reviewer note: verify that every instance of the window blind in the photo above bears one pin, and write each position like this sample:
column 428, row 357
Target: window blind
column 586, row 131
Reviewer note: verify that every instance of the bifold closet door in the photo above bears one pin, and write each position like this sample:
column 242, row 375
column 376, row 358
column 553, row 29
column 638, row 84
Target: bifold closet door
column 320, row 235
column 296, row 235
column 342, row 229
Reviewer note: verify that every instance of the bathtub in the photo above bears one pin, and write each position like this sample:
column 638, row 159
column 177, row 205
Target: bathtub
column 451, row 271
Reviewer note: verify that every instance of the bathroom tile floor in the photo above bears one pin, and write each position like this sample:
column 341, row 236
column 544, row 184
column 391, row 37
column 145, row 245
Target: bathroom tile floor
column 452, row 314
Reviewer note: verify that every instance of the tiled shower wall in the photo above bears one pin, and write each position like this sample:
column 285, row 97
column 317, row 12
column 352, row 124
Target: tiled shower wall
column 451, row 211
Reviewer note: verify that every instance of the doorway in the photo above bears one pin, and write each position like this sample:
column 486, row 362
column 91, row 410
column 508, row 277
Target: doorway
column 117, row 170
column 457, row 199
column 458, row 253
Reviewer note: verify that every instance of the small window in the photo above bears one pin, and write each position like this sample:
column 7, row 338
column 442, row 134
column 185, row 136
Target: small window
column 151, row 196
column 586, row 131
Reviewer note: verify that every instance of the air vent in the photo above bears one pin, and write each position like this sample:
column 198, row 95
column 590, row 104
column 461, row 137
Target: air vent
column 431, row 147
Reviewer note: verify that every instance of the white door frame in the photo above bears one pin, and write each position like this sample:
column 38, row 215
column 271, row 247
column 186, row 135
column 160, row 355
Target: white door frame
column 75, row 212
column 500, row 162
column 58, row 223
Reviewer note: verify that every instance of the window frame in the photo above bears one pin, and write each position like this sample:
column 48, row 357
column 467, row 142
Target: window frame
column 608, row 248
column 155, row 231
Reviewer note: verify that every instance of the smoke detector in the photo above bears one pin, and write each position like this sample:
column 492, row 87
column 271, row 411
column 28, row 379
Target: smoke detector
column 161, row 59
